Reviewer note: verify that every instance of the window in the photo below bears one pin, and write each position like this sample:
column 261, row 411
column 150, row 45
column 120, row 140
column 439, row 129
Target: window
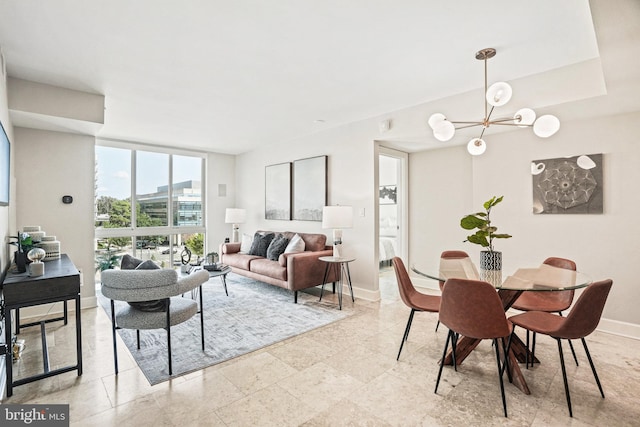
column 164, row 185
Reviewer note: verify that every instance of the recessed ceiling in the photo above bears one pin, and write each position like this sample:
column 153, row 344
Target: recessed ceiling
column 228, row 76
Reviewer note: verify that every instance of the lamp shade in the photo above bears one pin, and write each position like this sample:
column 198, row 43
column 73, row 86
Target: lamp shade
column 337, row 217
column 546, row 126
column 499, row 94
column 524, row 117
column 444, row 130
column 235, row 216
column 476, row 146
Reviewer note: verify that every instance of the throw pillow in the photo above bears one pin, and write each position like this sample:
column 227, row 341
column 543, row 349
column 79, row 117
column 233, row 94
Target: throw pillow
column 296, row 244
column 245, row 245
column 277, row 247
column 261, row 244
column 129, row 263
column 152, row 305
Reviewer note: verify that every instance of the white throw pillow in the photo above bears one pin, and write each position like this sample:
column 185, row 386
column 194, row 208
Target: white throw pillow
column 296, row 244
column 247, row 241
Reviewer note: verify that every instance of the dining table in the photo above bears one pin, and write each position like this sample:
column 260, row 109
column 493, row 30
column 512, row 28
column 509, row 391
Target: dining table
column 544, row 278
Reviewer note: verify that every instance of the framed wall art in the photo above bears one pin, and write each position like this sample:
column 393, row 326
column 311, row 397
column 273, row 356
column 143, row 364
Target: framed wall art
column 568, row 185
column 277, row 203
column 309, row 188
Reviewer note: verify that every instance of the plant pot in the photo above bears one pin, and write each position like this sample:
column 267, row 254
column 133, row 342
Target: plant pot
column 20, row 258
column 490, row 260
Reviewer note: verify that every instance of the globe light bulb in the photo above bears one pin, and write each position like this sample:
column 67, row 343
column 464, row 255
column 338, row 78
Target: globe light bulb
column 444, row 130
column 524, row 117
column 546, row 126
column 435, row 119
column 499, row 94
column 476, row 146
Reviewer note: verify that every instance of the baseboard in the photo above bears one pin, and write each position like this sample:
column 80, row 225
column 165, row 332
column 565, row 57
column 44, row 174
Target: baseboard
column 365, row 294
column 32, row 314
column 623, row 329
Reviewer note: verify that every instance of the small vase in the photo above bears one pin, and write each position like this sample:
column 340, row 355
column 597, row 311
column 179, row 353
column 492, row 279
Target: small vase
column 490, row 260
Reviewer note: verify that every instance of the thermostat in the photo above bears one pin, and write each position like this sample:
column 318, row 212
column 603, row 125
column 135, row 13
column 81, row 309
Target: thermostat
column 67, row 200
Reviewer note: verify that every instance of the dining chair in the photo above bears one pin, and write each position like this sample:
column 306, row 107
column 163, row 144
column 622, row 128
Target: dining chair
column 472, row 308
column 551, row 302
column 415, row 300
column 450, row 255
column 580, row 322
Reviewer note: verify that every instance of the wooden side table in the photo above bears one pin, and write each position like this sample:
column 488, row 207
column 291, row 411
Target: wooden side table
column 341, row 267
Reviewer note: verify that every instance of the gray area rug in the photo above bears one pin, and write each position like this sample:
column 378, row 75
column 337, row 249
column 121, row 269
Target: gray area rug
column 254, row 315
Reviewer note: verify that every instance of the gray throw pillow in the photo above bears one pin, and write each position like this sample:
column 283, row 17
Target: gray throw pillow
column 129, row 263
column 277, row 247
column 153, row 305
column 261, row 244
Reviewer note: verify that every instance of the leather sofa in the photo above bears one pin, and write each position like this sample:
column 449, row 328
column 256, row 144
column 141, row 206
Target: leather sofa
column 293, row 271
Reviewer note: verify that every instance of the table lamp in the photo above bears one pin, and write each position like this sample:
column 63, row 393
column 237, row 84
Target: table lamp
column 37, row 266
column 338, row 218
column 235, row 216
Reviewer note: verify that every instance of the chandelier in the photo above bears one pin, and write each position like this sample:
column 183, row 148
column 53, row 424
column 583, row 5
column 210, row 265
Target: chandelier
column 497, row 95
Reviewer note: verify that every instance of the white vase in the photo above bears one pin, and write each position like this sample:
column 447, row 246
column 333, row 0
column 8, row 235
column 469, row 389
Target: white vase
column 490, row 260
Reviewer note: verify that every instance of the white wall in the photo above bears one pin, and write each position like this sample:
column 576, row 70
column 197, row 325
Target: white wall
column 7, row 213
column 50, row 165
column 603, row 246
column 220, row 170
column 351, row 155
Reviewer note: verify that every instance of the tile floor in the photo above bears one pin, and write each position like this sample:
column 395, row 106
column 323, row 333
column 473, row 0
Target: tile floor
column 342, row 374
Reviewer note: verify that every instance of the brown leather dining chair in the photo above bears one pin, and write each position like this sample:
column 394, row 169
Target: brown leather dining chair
column 551, row 302
column 450, row 255
column 473, row 308
column 412, row 298
column 580, row 322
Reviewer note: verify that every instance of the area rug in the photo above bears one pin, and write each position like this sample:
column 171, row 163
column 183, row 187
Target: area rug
column 254, row 315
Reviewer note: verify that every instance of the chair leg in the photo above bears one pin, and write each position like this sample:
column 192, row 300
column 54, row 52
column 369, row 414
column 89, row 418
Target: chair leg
column 113, row 331
column 500, row 372
column 564, row 376
column 406, row 332
column 138, row 338
column 505, row 365
column 202, row 317
column 571, row 346
column 169, row 335
column 593, row 368
column 444, row 354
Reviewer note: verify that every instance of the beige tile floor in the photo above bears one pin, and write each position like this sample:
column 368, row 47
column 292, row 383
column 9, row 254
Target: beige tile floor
column 342, row 374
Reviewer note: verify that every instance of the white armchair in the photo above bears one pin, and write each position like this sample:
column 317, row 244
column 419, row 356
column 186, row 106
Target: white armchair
column 145, row 285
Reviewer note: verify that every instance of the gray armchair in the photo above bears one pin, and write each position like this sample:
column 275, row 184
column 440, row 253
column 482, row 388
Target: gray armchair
column 163, row 286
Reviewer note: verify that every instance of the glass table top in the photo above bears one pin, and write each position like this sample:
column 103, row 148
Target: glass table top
column 542, row 278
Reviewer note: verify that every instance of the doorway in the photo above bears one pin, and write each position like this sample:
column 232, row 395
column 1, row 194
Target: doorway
column 392, row 217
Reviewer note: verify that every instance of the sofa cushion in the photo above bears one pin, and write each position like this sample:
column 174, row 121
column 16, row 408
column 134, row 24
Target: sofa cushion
column 296, row 244
column 269, row 268
column 277, row 247
column 152, row 305
column 129, row 263
column 261, row 244
column 247, row 241
column 314, row 242
column 238, row 260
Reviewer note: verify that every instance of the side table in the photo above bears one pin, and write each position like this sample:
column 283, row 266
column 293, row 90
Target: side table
column 340, row 266
column 60, row 283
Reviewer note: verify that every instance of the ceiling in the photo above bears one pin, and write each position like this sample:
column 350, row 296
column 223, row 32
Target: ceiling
column 229, row 76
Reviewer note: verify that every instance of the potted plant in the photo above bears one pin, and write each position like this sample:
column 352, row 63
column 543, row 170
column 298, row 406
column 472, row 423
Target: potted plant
column 24, row 244
column 486, row 232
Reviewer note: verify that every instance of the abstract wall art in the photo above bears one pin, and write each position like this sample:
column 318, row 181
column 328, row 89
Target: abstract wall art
column 568, row 185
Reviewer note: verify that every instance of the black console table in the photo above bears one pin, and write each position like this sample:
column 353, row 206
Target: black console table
column 60, row 283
